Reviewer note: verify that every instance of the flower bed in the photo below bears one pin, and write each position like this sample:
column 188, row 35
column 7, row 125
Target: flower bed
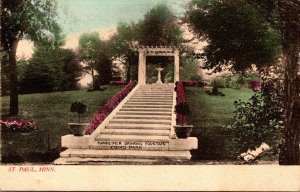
column 16, row 125
column 181, row 119
column 108, row 107
column 121, row 82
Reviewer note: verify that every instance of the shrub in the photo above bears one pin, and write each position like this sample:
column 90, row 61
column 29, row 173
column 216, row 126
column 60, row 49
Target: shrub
column 258, row 120
column 181, row 99
column 218, row 82
column 79, row 108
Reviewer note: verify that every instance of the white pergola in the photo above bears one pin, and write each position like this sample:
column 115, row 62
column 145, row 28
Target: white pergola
column 145, row 51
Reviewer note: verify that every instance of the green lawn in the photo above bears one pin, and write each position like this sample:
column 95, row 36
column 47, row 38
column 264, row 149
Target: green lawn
column 51, row 113
column 209, row 115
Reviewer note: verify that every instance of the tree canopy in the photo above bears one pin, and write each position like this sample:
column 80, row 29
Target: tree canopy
column 33, row 19
column 237, row 33
column 159, row 27
column 96, row 55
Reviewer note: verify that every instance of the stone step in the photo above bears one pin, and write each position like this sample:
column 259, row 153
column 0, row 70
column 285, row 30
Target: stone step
column 141, row 121
column 134, row 154
column 144, row 113
column 95, row 161
column 131, row 138
column 149, row 103
column 155, row 92
column 152, row 95
column 150, row 100
column 168, row 117
column 146, row 109
column 136, row 132
column 129, row 105
column 138, row 126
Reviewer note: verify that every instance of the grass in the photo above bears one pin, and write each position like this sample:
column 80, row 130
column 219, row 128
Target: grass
column 51, row 113
column 209, row 116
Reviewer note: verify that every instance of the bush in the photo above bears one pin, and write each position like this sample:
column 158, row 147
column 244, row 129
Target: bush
column 218, row 82
column 50, row 70
column 258, row 120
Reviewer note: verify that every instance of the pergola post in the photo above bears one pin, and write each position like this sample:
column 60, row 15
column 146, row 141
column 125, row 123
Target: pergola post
column 176, row 65
column 142, row 67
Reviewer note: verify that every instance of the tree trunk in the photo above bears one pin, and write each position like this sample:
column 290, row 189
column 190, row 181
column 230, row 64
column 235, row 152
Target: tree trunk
column 128, row 73
column 13, row 83
column 93, row 78
column 290, row 149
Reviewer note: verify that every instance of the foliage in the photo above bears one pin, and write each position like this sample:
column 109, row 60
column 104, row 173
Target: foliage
column 78, row 107
column 96, row 55
column 182, row 109
column 190, row 70
column 16, row 125
column 159, row 27
column 122, row 45
column 258, row 120
column 209, row 117
column 50, row 69
column 33, row 19
column 234, row 81
column 105, row 110
column 237, row 33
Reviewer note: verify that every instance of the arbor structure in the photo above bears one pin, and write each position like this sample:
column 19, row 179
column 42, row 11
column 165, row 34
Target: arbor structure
column 159, row 27
column 32, row 19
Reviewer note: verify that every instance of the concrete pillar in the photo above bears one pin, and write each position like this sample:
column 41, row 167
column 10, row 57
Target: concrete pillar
column 176, row 65
column 142, row 67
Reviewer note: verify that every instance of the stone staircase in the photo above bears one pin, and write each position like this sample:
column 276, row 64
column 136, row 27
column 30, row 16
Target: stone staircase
column 138, row 132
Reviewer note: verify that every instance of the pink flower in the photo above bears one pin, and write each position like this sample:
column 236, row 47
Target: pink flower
column 107, row 108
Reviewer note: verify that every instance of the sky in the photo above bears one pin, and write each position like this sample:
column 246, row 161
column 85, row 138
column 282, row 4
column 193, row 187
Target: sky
column 80, row 16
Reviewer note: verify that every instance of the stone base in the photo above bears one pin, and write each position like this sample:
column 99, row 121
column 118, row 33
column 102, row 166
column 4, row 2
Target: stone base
column 75, row 142
column 183, row 144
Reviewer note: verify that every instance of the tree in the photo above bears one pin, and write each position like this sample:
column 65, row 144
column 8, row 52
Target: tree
column 286, row 16
column 50, row 69
column 96, row 54
column 277, row 15
column 123, row 46
column 159, row 27
column 238, row 35
column 33, row 19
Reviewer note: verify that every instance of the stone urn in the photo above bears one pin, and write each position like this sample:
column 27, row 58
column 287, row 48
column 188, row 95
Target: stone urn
column 183, row 131
column 159, row 74
column 78, row 129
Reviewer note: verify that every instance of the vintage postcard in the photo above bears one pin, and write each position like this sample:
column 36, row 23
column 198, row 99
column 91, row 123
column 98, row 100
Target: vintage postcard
column 188, row 95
